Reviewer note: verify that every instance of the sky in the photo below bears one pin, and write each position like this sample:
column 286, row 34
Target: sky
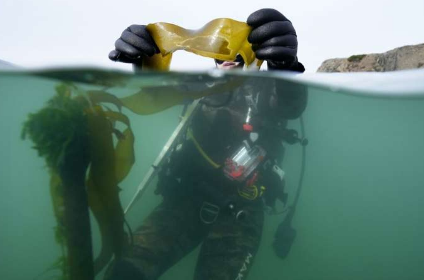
column 51, row 33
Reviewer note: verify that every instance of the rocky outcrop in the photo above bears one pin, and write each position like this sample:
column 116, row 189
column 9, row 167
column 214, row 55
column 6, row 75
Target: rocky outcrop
column 407, row 57
column 4, row 65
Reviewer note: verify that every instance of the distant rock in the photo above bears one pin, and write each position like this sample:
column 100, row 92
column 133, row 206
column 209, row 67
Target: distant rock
column 4, row 65
column 407, row 57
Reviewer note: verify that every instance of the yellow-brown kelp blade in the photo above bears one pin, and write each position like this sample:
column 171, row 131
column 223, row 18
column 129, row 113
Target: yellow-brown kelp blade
column 221, row 38
column 99, row 96
column 152, row 100
column 124, row 150
column 102, row 188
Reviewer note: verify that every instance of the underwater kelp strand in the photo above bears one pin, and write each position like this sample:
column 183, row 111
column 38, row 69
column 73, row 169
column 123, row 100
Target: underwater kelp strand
column 59, row 132
column 102, row 188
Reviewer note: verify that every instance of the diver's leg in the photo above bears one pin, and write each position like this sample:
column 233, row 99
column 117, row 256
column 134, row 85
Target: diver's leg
column 229, row 248
column 170, row 232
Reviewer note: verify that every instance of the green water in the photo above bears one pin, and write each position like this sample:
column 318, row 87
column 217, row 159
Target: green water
column 360, row 214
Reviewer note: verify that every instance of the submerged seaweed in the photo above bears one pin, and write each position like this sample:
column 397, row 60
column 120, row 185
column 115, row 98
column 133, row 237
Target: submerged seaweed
column 47, row 128
column 75, row 136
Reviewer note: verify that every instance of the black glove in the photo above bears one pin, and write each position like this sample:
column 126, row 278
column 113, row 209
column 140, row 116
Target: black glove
column 134, row 43
column 274, row 39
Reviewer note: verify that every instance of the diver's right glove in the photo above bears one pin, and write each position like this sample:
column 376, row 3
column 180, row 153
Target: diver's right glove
column 134, row 43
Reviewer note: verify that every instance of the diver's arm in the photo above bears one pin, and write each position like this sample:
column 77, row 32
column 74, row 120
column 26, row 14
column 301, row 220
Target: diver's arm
column 134, row 44
column 274, row 39
column 291, row 99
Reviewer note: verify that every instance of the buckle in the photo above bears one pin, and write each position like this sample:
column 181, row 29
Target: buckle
column 209, row 213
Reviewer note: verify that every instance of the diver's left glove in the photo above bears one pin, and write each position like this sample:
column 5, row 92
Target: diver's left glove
column 274, row 39
column 134, row 43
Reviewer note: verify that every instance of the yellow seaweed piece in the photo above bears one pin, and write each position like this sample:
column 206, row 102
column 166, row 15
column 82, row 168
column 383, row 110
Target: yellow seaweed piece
column 124, row 155
column 101, row 147
column 116, row 116
column 221, row 38
column 99, row 96
column 102, row 188
column 124, row 150
column 101, row 213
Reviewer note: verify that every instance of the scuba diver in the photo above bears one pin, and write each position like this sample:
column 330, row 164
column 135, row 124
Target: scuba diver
column 226, row 169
